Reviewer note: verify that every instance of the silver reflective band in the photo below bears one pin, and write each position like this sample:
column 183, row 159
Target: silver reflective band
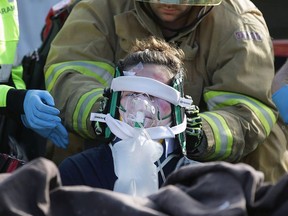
column 185, row 2
column 155, row 88
column 5, row 72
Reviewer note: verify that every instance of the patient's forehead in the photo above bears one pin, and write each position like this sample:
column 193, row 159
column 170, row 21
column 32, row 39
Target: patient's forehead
column 157, row 72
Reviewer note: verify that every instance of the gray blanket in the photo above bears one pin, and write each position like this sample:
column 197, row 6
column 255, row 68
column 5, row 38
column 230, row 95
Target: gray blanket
column 215, row 188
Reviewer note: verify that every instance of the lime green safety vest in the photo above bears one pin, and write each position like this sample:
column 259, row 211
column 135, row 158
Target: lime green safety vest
column 9, row 36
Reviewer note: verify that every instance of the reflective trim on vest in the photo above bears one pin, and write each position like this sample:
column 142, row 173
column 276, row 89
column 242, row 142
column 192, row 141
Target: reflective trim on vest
column 101, row 71
column 3, row 89
column 222, row 135
column 17, row 74
column 83, row 110
column 216, row 100
column 9, row 37
column 9, row 34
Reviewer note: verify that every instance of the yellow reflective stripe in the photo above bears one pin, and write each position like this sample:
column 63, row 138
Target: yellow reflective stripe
column 8, row 50
column 3, row 96
column 83, row 109
column 97, row 70
column 217, row 100
column 222, row 135
column 9, row 34
column 17, row 74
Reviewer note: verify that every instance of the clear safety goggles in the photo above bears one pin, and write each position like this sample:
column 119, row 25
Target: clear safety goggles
column 185, row 2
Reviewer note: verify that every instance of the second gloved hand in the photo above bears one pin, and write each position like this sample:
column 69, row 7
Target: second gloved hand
column 194, row 133
column 39, row 110
column 103, row 104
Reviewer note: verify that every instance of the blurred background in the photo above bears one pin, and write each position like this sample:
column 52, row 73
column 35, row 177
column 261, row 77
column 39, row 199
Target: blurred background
column 276, row 16
column 275, row 13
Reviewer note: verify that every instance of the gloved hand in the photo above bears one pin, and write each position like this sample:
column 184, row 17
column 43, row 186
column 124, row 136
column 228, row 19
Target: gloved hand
column 42, row 117
column 280, row 100
column 58, row 135
column 39, row 110
column 99, row 127
column 103, row 107
column 194, row 133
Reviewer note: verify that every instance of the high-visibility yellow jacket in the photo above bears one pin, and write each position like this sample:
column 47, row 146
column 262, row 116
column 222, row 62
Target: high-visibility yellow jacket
column 229, row 62
column 11, row 100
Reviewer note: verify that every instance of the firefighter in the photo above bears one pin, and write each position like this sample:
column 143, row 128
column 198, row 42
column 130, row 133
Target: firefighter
column 229, row 63
column 34, row 108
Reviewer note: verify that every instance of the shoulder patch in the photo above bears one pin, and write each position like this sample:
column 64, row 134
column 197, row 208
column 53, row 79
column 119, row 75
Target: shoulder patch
column 248, row 35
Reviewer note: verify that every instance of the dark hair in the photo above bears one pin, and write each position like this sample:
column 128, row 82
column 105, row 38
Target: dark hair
column 154, row 50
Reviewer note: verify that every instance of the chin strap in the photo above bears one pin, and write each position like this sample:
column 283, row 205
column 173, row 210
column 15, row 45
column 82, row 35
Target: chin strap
column 123, row 131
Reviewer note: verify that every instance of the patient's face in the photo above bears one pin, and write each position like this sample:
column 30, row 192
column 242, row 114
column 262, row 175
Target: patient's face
column 141, row 108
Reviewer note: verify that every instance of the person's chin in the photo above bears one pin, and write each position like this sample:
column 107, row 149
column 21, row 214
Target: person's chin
column 167, row 18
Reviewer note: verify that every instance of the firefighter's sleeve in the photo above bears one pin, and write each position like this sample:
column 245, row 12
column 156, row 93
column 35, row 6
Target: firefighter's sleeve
column 240, row 110
column 77, row 91
column 79, row 66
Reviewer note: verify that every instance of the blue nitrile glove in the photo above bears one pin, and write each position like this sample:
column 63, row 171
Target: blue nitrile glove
column 281, row 102
column 39, row 110
column 58, row 135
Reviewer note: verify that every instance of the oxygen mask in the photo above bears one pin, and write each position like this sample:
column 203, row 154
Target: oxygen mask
column 143, row 110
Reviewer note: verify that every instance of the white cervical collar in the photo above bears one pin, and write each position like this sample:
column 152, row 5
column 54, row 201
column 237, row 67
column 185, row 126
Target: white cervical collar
column 123, row 131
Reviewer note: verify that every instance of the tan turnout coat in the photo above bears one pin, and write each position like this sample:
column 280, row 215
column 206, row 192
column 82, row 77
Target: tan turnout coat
column 229, row 63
